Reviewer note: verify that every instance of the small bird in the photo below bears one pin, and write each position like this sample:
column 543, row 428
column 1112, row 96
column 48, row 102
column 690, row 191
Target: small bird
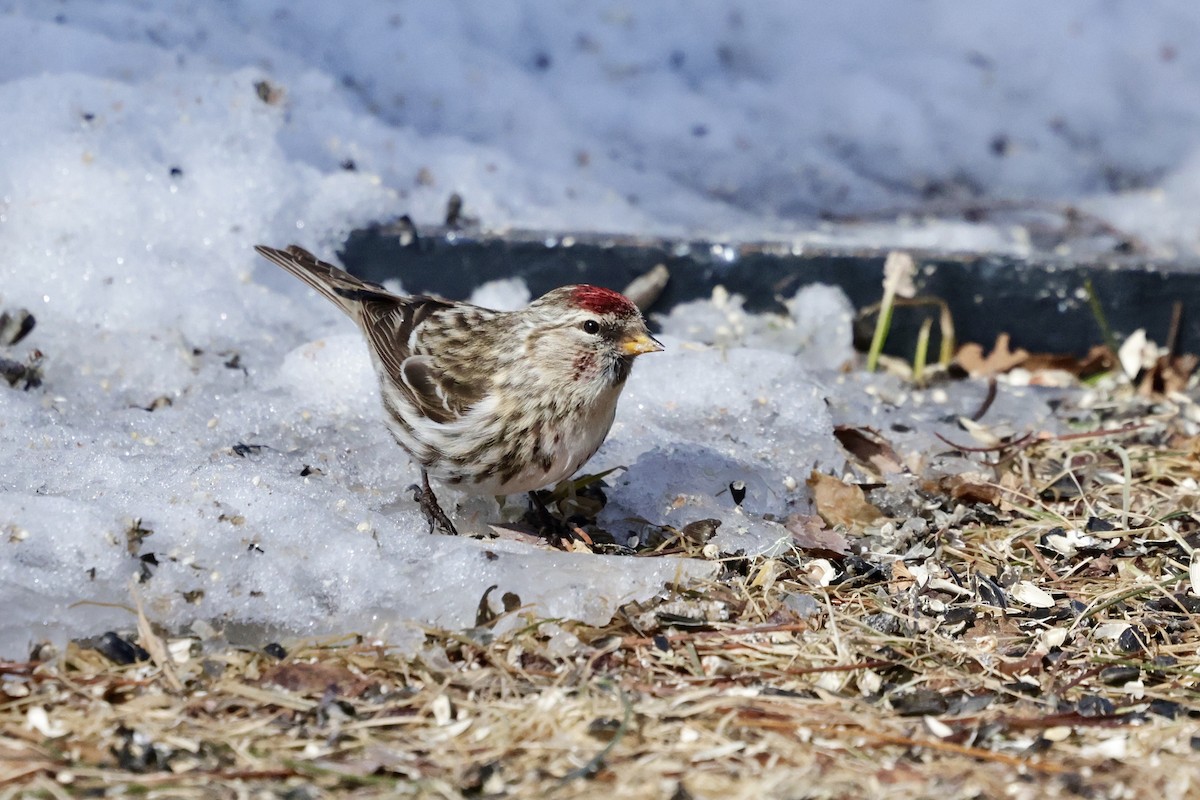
column 491, row 402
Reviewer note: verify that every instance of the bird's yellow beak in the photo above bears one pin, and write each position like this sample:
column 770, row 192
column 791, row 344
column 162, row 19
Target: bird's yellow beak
column 642, row 343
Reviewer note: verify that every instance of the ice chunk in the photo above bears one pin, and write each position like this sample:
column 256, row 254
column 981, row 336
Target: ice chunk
column 695, row 419
column 817, row 326
column 503, row 295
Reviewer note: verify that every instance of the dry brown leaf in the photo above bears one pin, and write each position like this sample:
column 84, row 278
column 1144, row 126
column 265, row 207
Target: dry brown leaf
column 868, row 447
column 1030, row 664
column 902, row 578
column 810, row 533
column 840, row 503
column 1100, row 359
column 1169, row 374
column 1053, row 362
column 305, row 678
column 970, row 357
column 1010, row 487
column 155, row 646
column 1101, row 566
column 966, row 490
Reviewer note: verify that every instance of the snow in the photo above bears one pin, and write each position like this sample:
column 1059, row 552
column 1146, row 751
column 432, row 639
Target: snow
column 144, row 148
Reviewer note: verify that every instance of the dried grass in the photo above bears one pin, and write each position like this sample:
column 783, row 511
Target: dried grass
column 906, row 679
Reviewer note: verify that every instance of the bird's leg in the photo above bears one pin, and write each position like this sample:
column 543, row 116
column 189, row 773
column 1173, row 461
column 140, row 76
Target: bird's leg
column 545, row 517
column 427, row 500
column 554, row 528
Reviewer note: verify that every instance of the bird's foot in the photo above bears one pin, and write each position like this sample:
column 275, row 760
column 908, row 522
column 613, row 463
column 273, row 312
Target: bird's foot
column 560, row 534
column 427, row 500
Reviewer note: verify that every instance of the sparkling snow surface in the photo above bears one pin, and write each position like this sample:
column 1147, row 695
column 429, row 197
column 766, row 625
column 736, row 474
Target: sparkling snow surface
column 139, row 162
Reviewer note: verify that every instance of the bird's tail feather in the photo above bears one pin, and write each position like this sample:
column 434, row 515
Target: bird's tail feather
column 340, row 287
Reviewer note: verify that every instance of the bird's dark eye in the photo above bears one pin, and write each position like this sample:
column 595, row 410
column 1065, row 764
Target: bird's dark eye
column 591, row 326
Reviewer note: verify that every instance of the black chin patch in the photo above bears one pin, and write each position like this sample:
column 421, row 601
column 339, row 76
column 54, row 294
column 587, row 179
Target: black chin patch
column 619, row 370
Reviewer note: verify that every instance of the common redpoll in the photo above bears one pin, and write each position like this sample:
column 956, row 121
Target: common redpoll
column 491, row 402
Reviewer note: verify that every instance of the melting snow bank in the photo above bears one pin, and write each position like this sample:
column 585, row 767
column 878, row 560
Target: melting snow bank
column 67, row 573
column 243, row 483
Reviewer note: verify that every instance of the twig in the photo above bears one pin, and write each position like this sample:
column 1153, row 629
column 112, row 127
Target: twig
column 995, row 448
column 1041, row 562
column 1134, row 592
column 634, row 641
column 1175, row 328
column 597, row 761
column 964, row 750
column 987, row 400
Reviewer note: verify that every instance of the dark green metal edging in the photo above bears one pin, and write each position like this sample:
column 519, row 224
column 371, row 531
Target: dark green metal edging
column 1041, row 303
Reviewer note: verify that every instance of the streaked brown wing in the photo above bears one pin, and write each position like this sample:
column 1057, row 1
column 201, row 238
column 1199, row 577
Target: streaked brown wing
column 433, row 385
column 440, row 396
